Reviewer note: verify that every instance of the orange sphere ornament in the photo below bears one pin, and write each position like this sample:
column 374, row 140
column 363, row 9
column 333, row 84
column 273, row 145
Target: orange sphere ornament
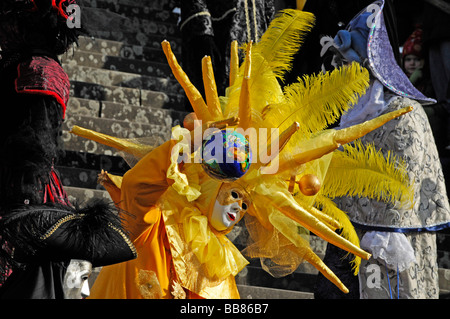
column 189, row 123
column 309, row 184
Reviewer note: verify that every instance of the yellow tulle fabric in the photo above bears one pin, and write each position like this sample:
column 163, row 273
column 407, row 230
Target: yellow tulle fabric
column 181, row 183
column 191, row 234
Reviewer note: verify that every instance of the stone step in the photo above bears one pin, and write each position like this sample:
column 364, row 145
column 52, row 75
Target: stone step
column 117, row 63
column 123, row 95
column 119, row 49
column 107, row 19
column 105, row 77
column 151, row 5
column 128, row 96
column 245, row 291
column 124, row 112
column 84, row 107
column 161, row 11
column 256, row 292
column 443, row 257
column 444, row 280
column 145, row 115
column 139, row 39
column 79, row 177
column 131, row 30
column 259, row 292
column 81, row 169
column 89, row 161
column 83, row 195
column 256, row 276
column 443, row 247
column 443, row 237
column 86, row 177
column 152, row 133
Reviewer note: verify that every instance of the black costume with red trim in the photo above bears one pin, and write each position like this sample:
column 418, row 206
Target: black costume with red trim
column 40, row 230
column 43, row 75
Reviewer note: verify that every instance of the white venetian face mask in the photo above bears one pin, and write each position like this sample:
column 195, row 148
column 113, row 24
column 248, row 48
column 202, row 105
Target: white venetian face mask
column 229, row 207
column 76, row 285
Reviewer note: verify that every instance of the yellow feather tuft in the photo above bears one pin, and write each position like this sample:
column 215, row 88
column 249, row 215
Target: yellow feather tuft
column 361, row 170
column 319, row 100
column 283, row 39
column 271, row 57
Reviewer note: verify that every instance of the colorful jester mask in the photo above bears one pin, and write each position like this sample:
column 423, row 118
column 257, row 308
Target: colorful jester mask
column 287, row 189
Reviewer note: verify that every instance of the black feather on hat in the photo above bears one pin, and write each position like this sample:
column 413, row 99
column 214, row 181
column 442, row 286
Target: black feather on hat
column 58, row 232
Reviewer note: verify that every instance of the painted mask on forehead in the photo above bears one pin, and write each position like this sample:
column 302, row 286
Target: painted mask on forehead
column 230, row 206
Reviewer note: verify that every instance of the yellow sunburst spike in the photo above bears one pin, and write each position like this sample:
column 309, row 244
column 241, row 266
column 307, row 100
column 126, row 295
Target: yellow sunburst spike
column 304, row 218
column 245, row 109
column 332, row 223
column 312, row 149
column 138, row 150
column 305, row 251
column 330, row 140
column 112, row 183
column 314, row 260
column 287, row 134
column 283, row 139
column 209, row 82
column 352, row 133
column 295, row 212
column 300, row 4
column 234, row 62
column 194, row 96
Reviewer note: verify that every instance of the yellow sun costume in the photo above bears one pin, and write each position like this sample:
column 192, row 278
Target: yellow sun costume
column 180, row 255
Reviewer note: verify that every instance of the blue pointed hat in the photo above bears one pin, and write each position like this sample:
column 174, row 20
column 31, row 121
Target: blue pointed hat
column 366, row 37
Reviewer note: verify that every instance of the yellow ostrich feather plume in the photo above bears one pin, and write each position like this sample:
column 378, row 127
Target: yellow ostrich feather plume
column 282, row 40
column 302, row 112
column 317, row 101
column 362, row 170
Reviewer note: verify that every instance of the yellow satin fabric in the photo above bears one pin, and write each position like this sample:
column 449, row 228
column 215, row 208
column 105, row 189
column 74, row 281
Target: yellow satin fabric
column 172, row 235
column 119, row 281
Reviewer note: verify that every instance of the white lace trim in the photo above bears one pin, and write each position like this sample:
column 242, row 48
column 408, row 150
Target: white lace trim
column 393, row 248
